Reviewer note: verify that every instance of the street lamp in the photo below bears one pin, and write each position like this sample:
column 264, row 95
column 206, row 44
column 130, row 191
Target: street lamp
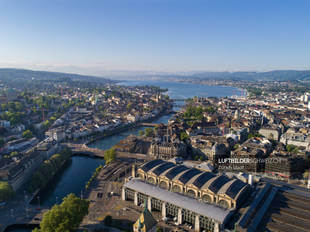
column 38, row 201
column 27, row 213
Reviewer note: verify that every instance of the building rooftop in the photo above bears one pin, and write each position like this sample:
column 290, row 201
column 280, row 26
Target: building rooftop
column 211, row 211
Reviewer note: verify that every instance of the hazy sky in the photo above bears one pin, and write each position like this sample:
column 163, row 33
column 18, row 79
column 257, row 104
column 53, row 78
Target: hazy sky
column 92, row 36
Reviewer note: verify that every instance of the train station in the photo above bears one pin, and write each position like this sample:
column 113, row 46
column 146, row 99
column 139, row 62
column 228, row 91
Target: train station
column 202, row 199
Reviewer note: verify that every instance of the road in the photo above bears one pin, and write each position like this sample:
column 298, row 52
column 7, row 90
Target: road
column 20, row 213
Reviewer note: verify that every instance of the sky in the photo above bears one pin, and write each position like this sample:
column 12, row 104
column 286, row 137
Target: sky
column 96, row 36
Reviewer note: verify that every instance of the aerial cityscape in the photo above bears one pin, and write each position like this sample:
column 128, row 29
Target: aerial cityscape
column 153, row 116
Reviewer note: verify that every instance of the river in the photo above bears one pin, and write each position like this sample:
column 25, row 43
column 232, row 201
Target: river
column 73, row 177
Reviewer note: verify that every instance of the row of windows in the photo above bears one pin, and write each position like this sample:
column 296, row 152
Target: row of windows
column 129, row 194
column 206, row 223
column 142, row 198
column 156, row 204
column 172, row 210
column 188, row 216
column 191, row 193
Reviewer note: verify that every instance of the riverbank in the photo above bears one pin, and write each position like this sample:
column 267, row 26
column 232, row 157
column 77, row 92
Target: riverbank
column 104, row 136
column 47, row 170
column 74, row 174
column 123, row 128
column 21, row 227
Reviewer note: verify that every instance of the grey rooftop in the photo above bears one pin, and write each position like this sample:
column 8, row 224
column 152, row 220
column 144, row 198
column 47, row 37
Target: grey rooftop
column 204, row 209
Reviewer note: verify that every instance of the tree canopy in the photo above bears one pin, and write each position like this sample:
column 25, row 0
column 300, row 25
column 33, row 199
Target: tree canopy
column 109, row 155
column 292, row 149
column 193, row 112
column 65, row 217
column 184, row 136
column 6, row 191
column 27, row 134
column 47, row 170
column 149, row 132
column 141, row 132
column 108, row 220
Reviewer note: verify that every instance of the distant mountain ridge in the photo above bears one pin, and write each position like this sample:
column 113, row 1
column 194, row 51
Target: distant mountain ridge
column 275, row 75
column 26, row 74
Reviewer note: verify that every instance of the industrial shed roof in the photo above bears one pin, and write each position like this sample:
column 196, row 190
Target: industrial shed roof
column 204, row 209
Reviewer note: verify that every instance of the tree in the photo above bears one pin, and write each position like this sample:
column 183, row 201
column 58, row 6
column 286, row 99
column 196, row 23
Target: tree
column 236, row 146
column 27, row 134
column 254, row 134
column 141, row 132
column 149, row 132
column 292, row 149
column 6, row 191
column 129, row 106
column 65, row 217
column 209, row 109
column 46, row 124
column 306, row 175
column 184, row 136
column 48, row 169
column 254, row 91
column 108, row 220
column 14, row 153
column 109, row 155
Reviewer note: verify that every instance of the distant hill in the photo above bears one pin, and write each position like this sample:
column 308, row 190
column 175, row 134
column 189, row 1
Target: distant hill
column 25, row 74
column 277, row 75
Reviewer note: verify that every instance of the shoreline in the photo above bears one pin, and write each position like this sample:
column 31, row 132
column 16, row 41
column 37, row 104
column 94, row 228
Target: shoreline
column 195, row 82
column 111, row 133
column 37, row 191
column 126, row 127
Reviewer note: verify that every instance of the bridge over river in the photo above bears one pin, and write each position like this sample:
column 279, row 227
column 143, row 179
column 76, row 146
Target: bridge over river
column 83, row 149
column 149, row 124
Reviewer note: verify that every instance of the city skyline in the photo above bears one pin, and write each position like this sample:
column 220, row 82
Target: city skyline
column 161, row 36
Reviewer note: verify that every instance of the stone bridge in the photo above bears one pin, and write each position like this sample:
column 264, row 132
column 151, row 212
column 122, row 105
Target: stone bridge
column 180, row 99
column 149, row 124
column 83, row 149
